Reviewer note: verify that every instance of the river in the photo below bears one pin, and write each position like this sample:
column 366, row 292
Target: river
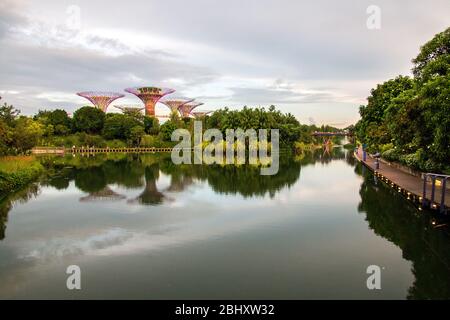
column 140, row 227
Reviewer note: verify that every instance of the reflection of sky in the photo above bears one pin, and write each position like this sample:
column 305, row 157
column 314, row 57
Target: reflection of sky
column 318, row 213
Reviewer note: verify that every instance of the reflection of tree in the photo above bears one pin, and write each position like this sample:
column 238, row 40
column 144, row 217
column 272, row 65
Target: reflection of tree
column 127, row 173
column 247, row 179
column 90, row 179
column 179, row 183
column 7, row 203
column 401, row 223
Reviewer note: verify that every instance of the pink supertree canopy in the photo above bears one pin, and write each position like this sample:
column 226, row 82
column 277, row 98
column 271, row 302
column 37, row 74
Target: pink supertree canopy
column 187, row 108
column 129, row 108
column 176, row 102
column 100, row 99
column 198, row 114
column 150, row 96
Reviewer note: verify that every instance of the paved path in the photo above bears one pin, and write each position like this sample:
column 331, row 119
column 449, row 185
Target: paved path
column 406, row 181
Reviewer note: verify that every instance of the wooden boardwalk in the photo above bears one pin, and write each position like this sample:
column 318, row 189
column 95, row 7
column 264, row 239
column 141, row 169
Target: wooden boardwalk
column 408, row 184
column 52, row 150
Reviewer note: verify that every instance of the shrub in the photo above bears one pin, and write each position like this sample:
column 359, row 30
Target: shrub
column 391, row 155
column 115, row 143
column 16, row 172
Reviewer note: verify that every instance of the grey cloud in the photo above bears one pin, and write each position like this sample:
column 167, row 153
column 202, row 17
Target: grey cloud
column 304, row 42
column 33, row 70
column 9, row 17
column 268, row 96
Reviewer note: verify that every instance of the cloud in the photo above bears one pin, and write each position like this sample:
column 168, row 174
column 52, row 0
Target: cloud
column 257, row 52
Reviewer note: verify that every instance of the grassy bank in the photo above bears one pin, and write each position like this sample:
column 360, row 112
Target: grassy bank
column 17, row 172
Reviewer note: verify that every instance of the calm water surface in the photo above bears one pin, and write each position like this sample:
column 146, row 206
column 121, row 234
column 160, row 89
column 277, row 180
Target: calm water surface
column 140, row 227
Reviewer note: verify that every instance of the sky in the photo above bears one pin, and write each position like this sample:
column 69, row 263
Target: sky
column 315, row 59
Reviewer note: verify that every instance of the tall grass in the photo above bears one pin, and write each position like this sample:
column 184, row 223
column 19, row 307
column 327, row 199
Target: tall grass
column 18, row 171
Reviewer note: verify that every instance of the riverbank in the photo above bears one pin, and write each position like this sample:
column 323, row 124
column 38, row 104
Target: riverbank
column 18, row 171
column 408, row 184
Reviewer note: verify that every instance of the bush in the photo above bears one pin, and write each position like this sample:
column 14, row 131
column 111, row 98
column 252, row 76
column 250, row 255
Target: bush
column 155, row 141
column 391, row 155
column 411, row 160
column 386, row 147
column 17, row 172
column 115, row 143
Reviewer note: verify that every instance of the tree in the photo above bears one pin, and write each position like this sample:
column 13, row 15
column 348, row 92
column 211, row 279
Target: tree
column 433, row 58
column 412, row 116
column 151, row 125
column 26, row 134
column 374, row 113
column 118, row 126
column 166, row 130
column 60, row 120
column 136, row 134
column 5, row 137
column 88, row 119
column 8, row 114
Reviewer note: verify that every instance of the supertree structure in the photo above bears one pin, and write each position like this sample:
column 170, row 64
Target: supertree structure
column 186, row 109
column 129, row 108
column 175, row 103
column 100, row 99
column 150, row 96
column 199, row 114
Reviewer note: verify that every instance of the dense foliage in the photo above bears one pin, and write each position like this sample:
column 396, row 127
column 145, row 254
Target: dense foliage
column 408, row 119
column 92, row 127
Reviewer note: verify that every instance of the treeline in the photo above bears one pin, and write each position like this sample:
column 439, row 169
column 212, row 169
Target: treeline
column 408, row 119
column 92, row 127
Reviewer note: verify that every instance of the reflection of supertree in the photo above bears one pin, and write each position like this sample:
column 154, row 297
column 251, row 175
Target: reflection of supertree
column 150, row 96
column 415, row 232
column 151, row 195
column 99, row 99
column 186, row 109
column 106, row 194
column 174, row 103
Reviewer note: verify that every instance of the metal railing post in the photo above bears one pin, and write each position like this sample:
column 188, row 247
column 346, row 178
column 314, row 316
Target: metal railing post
column 444, row 186
column 424, row 192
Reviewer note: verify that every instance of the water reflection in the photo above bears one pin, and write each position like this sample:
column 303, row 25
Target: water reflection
column 10, row 200
column 133, row 181
column 415, row 232
column 93, row 175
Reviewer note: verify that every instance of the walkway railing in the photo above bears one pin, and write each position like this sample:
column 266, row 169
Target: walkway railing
column 435, row 177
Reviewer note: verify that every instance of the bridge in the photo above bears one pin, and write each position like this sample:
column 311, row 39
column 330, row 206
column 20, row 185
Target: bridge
column 331, row 134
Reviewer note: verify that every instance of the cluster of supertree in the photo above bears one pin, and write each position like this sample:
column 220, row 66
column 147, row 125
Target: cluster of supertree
column 149, row 96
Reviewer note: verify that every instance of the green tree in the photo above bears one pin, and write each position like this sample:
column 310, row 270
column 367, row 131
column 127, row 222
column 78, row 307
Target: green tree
column 371, row 129
column 433, row 58
column 166, row 130
column 118, row 126
column 88, row 119
column 151, row 125
column 26, row 134
column 8, row 114
column 136, row 134
column 60, row 120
